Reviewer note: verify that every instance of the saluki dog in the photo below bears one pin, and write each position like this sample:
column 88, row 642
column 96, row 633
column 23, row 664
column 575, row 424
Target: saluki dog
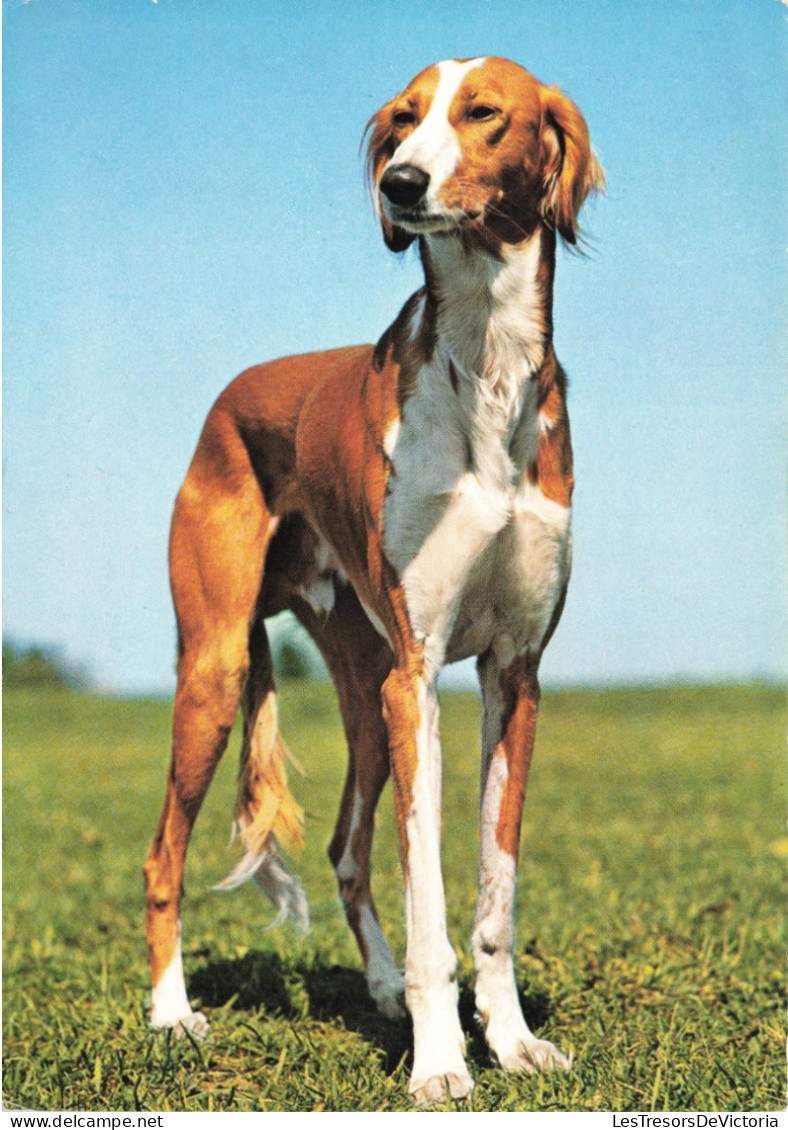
column 409, row 502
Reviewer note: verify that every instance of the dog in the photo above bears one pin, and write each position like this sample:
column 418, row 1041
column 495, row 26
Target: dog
column 409, row 502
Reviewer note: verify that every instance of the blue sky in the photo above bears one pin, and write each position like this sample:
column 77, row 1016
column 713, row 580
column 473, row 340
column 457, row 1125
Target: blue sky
column 184, row 196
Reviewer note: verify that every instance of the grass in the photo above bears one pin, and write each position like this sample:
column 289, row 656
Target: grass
column 650, row 940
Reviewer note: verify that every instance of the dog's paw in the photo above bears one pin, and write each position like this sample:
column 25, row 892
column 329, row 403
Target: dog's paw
column 389, row 997
column 438, row 1088
column 530, row 1055
column 193, row 1024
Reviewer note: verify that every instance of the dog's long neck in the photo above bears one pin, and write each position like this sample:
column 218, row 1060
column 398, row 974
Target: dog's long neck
column 493, row 312
column 485, row 318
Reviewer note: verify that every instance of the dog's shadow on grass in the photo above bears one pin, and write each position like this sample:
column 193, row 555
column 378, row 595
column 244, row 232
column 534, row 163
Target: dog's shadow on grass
column 334, row 993
column 327, row 993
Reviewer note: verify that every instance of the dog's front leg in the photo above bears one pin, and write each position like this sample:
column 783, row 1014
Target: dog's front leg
column 510, row 692
column 411, row 710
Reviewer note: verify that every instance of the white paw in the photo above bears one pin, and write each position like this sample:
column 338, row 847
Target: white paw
column 531, row 1055
column 194, row 1023
column 436, row 1089
column 389, row 997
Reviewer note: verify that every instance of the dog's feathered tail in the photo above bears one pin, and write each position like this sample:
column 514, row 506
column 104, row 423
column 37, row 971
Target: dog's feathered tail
column 266, row 812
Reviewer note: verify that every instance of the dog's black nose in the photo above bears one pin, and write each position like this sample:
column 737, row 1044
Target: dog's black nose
column 404, row 184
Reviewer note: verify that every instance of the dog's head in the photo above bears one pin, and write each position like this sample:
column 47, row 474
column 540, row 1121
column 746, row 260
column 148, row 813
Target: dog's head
column 479, row 145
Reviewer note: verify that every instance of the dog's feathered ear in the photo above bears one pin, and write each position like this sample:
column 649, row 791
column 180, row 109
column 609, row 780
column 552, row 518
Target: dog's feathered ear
column 570, row 169
column 380, row 147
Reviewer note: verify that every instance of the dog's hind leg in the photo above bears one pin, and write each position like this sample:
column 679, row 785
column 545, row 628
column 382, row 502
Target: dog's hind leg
column 359, row 661
column 265, row 810
column 220, row 532
column 510, row 691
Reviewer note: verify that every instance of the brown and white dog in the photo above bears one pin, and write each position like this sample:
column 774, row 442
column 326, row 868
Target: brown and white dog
column 410, row 503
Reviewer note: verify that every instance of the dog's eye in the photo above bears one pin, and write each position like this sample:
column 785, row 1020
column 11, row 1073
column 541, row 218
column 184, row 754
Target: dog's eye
column 481, row 113
column 404, row 118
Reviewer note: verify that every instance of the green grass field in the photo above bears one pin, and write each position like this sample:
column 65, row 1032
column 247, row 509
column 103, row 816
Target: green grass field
column 650, row 920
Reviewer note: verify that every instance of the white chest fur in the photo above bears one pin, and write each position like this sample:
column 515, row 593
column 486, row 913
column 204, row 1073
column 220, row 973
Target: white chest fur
column 482, row 554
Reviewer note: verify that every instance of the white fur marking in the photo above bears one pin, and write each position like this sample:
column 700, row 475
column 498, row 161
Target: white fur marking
column 414, row 326
column 539, row 561
column 386, row 984
column 530, row 500
column 433, row 145
column 320, row 595
column 319, row 591
column 347, row 866
column 391, row 436
column 169, row 1002
column 430, row 968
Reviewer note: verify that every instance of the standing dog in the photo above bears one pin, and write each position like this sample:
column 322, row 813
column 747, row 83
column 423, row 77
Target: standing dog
column 410, row 503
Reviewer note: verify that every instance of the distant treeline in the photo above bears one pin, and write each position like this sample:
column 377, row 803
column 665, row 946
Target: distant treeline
column 292, row 660
column 45, row 668
column 39, row 667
